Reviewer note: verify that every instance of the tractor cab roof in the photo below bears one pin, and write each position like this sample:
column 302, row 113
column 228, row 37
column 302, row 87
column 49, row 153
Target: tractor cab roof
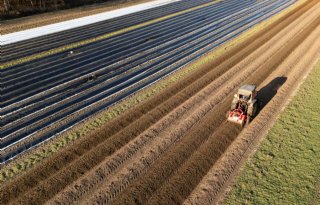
column 246, row 90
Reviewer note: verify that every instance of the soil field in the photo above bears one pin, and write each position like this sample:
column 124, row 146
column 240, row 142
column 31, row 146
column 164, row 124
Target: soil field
column 160, row 152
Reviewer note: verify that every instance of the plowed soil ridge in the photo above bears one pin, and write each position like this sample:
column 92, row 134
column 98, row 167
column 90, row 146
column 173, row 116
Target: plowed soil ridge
column 179, row 186
column 95, row 151
column 190, row 172
column 294, row 69
column 124, row 177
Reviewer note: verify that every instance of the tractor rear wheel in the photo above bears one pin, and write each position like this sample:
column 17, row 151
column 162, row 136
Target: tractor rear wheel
column 248, row 120
column 254, row 110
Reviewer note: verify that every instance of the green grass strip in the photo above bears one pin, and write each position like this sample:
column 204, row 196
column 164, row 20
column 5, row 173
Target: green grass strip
column 286, row 167
column 92, row 40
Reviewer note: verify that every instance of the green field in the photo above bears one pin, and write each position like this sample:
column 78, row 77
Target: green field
column 286, row 167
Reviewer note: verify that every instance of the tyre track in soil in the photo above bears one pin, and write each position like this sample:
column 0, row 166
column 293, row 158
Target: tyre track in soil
column 82, row 156
column 196, row 166
column 211, row 189
column 188, row 176
column 103, row 172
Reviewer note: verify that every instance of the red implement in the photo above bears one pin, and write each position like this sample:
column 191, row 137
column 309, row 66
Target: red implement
column 237, row 116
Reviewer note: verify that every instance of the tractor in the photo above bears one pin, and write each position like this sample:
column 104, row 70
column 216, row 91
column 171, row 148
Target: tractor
column 244, row 106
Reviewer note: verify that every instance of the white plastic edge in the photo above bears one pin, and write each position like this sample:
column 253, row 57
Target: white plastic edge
column 65, row 25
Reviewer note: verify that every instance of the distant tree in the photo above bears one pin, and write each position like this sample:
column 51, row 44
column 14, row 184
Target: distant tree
column 6, row 5
column 15, row 8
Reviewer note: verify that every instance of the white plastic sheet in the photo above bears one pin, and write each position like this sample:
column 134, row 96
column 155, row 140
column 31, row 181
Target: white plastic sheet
column 65, row 25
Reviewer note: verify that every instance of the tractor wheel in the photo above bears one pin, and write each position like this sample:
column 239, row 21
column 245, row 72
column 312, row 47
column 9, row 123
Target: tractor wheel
column 248, row 120
column 255, row 110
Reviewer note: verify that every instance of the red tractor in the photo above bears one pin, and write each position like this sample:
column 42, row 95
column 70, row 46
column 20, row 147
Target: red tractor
column 244, row 106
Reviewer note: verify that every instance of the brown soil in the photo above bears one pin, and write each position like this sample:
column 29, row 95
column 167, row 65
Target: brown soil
column 24, row 23
column 160, row 151
column 216, row 184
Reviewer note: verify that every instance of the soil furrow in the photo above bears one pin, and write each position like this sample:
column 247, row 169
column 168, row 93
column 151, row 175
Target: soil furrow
column 187, row 177
column 121, row 185
column 293, row 68
column 166, row 165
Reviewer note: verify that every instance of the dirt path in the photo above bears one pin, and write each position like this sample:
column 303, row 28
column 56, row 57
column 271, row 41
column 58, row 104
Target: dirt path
column 160, row 151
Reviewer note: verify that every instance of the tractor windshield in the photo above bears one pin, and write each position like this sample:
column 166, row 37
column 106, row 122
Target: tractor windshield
column 244, row 97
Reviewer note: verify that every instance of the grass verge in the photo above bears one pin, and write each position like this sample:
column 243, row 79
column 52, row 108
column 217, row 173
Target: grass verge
column 286, row 167
column 96, row 39
column 30, row 159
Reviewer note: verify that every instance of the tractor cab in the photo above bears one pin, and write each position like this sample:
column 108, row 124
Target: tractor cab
column 244, row 105
column 247, row 92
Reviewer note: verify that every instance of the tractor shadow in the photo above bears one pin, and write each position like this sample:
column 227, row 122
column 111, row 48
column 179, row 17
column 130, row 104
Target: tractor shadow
column 266, row 93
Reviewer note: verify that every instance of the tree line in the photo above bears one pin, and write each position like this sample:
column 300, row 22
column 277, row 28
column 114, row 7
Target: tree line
column 16, row 8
